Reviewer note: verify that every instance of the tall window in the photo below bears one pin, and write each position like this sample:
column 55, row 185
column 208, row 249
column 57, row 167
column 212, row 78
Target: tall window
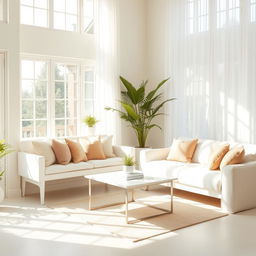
column 68, row 15
column 34, row 98
column 65, row 99
column 34, row 12
column 88, row 16
column 65, row 15
column 54, row 105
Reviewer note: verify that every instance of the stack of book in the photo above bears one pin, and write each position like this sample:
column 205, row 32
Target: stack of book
column 135, row 175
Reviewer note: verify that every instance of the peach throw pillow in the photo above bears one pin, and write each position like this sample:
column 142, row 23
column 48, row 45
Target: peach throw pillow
column 217, row 155
column 234, row 156
column 62, row 152
column 182, row 150
column 95, row 151
column 77, row 152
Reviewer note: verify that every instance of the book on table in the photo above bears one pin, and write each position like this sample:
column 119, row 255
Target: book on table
column 134, row 175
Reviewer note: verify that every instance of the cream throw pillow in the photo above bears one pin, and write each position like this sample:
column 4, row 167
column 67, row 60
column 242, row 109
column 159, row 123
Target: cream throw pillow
column 77, row 152
column 219, row 151
column 44, row 149
column 62, row 152
column 234, row 156
column 182, row 150
column 106, row 142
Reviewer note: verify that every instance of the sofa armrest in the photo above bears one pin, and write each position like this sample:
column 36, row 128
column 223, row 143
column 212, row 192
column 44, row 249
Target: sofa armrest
column 31, row 166
column 239, row 187
column 153, row 154
column 122, row 151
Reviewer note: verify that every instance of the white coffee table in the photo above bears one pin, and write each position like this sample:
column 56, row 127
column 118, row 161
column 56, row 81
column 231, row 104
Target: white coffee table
column 118, row 179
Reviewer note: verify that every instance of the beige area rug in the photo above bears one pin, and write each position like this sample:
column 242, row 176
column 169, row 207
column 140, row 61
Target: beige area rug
column 110, row 221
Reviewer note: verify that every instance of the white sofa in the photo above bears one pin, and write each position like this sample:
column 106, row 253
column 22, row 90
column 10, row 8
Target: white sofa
column 31, row 167
column 235, row 185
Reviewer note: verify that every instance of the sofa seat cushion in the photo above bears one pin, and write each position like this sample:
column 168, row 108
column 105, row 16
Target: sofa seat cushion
column 162, row 168
column 200, row 176
column 60, row 168
column 113, row 161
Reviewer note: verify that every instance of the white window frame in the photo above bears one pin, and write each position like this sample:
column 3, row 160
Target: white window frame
column 5, row 9
column 50, row 15
column 82, row 64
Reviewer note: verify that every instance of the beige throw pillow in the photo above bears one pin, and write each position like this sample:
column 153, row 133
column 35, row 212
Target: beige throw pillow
column 234, row 156
column 77, row 153
column 106, row 142
column 182, row 150
column 62, row 152
column 219, row 151
column 95, row 151
column 44, row 149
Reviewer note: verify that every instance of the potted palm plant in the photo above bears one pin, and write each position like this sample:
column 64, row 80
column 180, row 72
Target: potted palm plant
column 5, row 149
column 139, row 109
column 90, row 122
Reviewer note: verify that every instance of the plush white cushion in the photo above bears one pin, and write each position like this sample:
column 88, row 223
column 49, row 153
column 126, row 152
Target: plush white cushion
column 203, row 151
column 199, row 176
column 106, row 142
column 162, row 168
column 60, row 168
column 114, row 161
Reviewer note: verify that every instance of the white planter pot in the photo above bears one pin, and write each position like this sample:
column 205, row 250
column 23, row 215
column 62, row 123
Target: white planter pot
column 128, row 169
column 90, row 131
column 137, row 157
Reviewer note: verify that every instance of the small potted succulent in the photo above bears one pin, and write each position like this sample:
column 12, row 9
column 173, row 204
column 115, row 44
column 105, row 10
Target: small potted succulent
column 129, row 164
column 90, row 122
column 5, row 149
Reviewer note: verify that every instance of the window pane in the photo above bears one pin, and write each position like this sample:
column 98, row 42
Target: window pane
column 27, row 109
column 59, row 72
column 26, row 15
column 27, row 129
column 59, row 90
column 71, row 127
column 59, row 5
column 71, row 23
column 41, row 128
column 71, row 109
column 88, row 14
column 40, row 3
column 41, row 89
column 59, row 20
column 71, row 73
column 71, row 6
column 89, row 76
column 41, row 109
column 40, row 70
column 71, row 90
column 89, row 91
column 27, row 69
column 27, row 88
column 59, row 128
column 40, row 18
column 59, row 109
column 88, row 107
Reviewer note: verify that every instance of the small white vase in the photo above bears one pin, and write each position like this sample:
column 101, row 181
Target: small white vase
column 128, row 169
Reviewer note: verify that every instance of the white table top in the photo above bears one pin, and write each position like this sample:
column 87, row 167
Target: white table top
column 118, row 179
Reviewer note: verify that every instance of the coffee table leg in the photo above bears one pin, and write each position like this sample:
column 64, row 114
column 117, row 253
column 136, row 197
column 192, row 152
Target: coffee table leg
column 133, row 195
column 90, row 194
column 126, row 206
column 171, row 192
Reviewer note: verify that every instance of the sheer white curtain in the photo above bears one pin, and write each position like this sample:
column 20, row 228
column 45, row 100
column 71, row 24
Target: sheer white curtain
column 107, row 63
column 213, row 66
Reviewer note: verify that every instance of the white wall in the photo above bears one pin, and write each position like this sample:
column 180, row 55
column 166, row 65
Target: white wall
column 157, row 50
column 10, row 43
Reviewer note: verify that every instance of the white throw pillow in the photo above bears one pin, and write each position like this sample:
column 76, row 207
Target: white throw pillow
column 43, row 148
column 106, row 142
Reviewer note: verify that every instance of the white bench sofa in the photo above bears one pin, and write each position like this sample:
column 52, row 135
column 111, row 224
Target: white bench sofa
column 31, row 167
column 235, row 185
